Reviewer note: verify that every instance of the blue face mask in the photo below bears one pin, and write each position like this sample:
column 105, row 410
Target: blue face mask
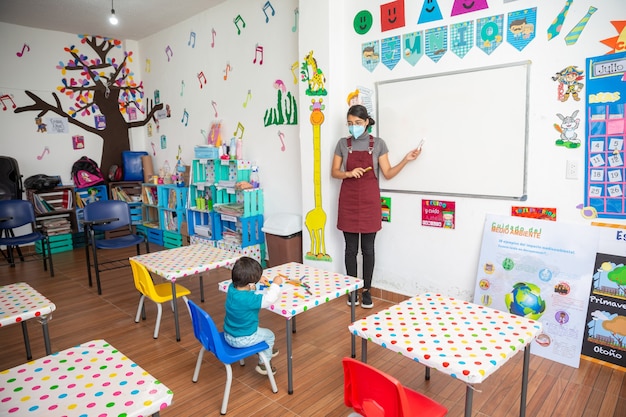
column 356, row 131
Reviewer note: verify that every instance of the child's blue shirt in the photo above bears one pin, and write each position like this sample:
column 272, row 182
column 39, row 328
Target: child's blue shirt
column 242, row 309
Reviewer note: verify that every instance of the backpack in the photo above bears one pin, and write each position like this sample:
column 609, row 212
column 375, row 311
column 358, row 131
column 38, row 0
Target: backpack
column 41, row 182
column 115, row 173
column 85, row 173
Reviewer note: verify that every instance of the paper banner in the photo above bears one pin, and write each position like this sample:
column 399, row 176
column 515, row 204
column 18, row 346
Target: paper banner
column 436, row 42
column 413, row 47
column 370, row 53
column 462, row 38
column 489, row 33
column 521, row 27
column 390, row 49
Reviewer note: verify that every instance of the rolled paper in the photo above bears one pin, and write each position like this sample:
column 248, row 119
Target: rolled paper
column 148, row 169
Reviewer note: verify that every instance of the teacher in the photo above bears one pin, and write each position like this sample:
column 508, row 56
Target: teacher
column 357, row 162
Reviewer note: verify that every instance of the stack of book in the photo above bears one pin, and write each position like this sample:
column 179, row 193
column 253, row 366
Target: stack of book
column 56, row 226
column 119, row 194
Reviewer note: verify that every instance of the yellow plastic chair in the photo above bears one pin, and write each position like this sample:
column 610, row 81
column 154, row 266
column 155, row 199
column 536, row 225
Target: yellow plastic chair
column 159, row 293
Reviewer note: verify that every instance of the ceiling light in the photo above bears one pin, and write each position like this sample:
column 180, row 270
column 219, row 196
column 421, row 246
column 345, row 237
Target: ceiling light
column 113, row 19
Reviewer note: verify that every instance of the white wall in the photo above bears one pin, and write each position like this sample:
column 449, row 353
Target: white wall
column 409, row 258
column 36, row 71
column 279, row 169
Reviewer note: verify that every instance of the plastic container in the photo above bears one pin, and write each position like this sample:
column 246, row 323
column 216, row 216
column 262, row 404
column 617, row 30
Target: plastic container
column 283, row 233
column 254, row 177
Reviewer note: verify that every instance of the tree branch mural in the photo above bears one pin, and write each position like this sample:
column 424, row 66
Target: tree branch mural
column 99, row 84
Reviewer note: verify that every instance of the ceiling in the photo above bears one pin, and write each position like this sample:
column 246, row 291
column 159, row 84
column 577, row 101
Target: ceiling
column 137, row 18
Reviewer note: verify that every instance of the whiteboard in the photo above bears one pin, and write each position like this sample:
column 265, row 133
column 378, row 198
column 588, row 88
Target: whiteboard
column 475, row 126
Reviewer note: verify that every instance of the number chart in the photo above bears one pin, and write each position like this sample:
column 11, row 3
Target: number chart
column 605, row 173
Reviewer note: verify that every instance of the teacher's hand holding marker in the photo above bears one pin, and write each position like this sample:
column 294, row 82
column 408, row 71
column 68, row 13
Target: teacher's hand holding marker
column 358, row 160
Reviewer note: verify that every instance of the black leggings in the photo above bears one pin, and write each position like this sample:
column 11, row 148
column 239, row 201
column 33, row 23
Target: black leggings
column 367, row 248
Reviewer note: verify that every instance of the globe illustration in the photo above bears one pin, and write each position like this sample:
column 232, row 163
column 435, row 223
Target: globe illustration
column 525, row 300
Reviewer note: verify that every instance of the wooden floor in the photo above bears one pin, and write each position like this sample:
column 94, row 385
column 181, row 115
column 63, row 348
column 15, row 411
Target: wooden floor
column 322, row 339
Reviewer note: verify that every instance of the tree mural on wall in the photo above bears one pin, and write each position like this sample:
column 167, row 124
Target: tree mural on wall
column 100, row 85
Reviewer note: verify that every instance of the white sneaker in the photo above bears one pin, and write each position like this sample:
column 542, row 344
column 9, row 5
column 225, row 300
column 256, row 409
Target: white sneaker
column 356, row 300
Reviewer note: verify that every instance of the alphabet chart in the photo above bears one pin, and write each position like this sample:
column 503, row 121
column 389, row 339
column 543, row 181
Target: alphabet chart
column 605, row 173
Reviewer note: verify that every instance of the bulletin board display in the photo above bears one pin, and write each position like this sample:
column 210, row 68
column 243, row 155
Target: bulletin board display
column 475, row 126
column 605, row 174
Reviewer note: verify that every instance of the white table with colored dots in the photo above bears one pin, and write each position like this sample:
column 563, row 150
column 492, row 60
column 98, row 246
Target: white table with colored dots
column 317, row 287
column 89, row 380
column 20, row 302
column 464, row 340
column 185, row 261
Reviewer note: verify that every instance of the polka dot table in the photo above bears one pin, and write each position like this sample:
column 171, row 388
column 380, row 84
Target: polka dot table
column 181, row 262
column 461, row 339
column 323, row 286
column 92, row 379
column 20, row 302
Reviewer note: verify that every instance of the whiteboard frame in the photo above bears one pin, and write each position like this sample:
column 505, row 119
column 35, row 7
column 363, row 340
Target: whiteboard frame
column 523, row 196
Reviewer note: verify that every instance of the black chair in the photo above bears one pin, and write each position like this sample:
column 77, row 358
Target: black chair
column 103, row 216
column 13, row 215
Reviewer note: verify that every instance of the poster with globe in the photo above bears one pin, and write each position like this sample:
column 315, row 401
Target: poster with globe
column 541, row 270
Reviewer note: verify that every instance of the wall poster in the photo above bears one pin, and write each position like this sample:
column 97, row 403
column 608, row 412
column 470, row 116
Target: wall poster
column 605, row 176
column 541, row 270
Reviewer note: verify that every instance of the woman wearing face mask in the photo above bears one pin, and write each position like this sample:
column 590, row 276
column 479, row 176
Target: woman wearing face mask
column 357, row 162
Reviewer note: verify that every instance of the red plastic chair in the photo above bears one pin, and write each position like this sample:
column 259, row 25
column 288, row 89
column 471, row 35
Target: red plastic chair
column 372, row 393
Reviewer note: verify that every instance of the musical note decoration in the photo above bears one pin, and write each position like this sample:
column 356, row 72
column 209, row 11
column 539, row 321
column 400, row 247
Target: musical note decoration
column 21, row 54
column 239, row 19
column 45, row 151
column 6, row 97
column 268, row 5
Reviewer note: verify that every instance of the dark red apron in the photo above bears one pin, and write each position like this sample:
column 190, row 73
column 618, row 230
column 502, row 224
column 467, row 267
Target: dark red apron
column 359, row 198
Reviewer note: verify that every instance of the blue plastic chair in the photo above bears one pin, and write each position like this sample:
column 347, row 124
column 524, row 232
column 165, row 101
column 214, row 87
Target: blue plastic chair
column 213, row 340
column 104, row 216
column 17, row 213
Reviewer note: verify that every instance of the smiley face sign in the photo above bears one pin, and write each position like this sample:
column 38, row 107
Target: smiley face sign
column 464, row 6
column 392, row 15
column 363, row 21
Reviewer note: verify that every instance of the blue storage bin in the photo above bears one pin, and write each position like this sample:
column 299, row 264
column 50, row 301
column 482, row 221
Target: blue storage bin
column 133, row 167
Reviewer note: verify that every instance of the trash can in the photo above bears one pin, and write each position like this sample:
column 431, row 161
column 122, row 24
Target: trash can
column 283, row 233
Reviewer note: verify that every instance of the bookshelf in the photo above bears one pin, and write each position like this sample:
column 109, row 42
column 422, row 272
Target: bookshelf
column 54, row 209
column 222, row 213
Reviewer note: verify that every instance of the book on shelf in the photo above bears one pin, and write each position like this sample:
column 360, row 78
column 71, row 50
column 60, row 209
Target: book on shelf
column 150, row 196
column 41, row 206
column 120, row 194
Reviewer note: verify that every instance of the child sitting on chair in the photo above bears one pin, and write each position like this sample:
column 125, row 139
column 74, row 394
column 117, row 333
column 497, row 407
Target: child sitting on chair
column 243, row 303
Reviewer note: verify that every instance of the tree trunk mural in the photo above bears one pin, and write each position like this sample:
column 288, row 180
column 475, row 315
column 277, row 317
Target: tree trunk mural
column 98, row 85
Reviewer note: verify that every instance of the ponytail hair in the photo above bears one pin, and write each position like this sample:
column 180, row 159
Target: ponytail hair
column 360, row 111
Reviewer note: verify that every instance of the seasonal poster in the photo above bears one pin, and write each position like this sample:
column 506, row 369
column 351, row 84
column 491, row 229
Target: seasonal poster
column 605, row 339
column 436, row 213
column 540, row 270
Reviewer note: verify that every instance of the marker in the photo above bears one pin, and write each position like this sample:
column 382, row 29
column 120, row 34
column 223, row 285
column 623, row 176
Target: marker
column 421, row 144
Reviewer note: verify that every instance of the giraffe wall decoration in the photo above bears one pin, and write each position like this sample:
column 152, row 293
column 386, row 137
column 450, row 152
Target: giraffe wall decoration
column 315, row 219
column 313, row 75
